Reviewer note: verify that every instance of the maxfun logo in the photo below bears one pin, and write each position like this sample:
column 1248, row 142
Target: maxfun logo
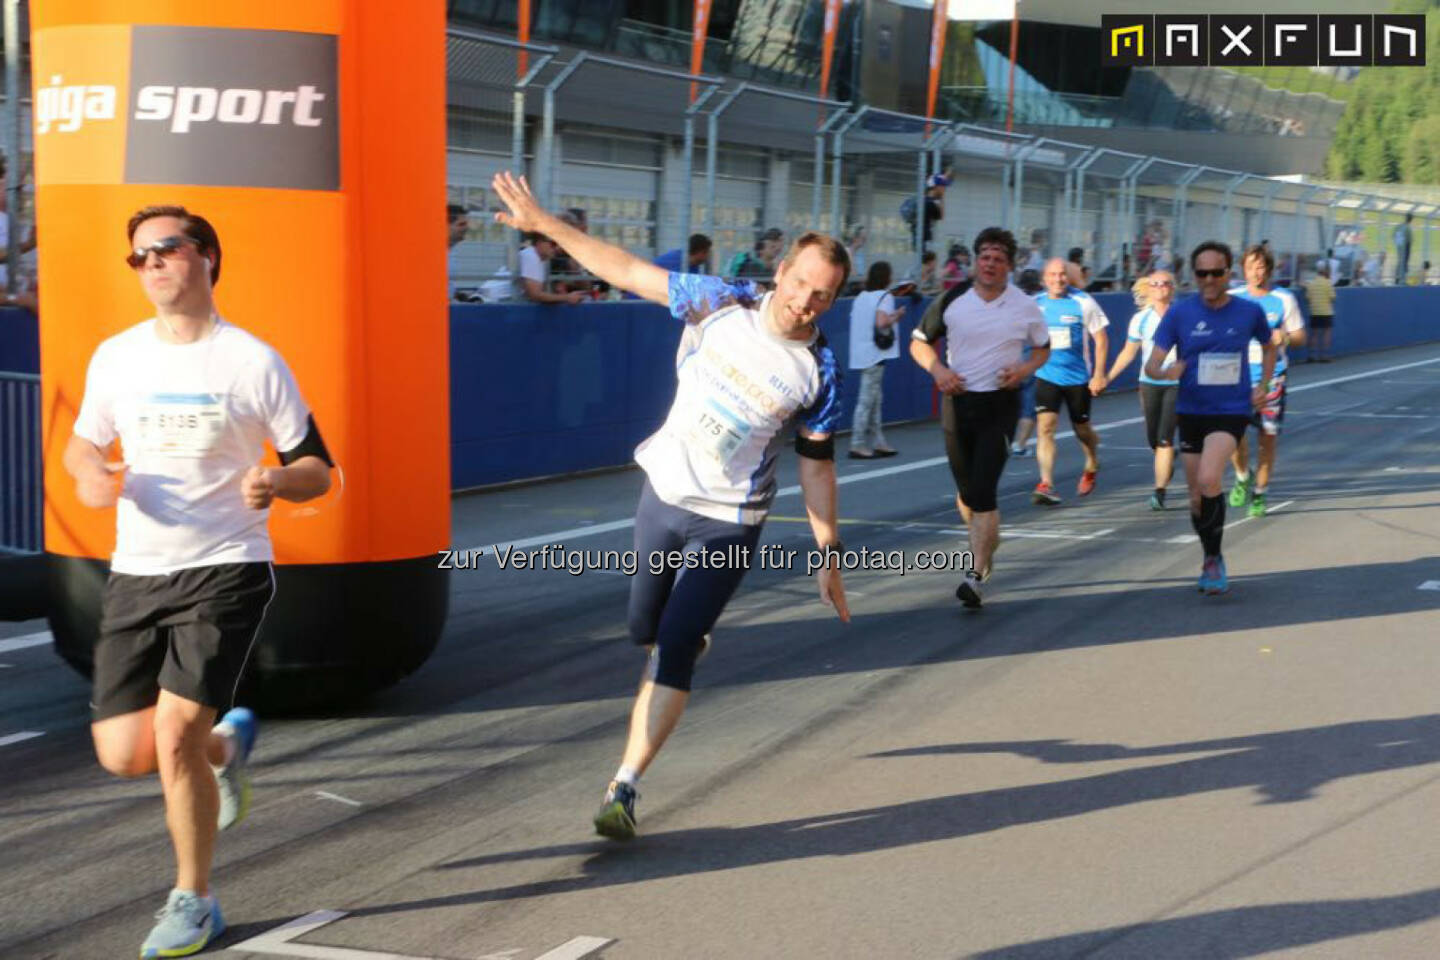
column 187, row 105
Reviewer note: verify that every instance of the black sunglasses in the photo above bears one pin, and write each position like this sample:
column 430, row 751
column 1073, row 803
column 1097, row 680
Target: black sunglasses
column 1207, row 274
column 166, row 247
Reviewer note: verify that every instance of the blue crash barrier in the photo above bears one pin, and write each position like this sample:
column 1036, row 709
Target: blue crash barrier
column 543, row 390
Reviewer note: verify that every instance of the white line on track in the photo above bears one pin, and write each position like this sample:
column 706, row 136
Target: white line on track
column 280, row 942
column 337, row 798
column 1429, row 585
column 20, row 737
column 28, row 640
column 1191, row 538
column 561, row 536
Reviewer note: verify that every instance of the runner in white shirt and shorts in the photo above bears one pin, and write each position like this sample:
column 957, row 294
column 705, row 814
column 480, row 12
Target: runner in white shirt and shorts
column 985, row 330
column 750, row 368
column 192, row 399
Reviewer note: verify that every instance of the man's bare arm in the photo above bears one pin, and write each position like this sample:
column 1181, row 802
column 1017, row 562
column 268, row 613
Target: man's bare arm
column 610, row 263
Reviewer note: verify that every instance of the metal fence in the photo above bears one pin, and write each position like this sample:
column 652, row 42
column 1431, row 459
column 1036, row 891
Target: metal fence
column 627, row 142
column 21, row 483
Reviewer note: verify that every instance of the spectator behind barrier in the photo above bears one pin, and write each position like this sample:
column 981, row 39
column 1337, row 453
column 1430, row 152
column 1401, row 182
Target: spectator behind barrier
column 26, row 289
column 457, row 221
column 760, row 264
column 696, row 258
column 535, row 273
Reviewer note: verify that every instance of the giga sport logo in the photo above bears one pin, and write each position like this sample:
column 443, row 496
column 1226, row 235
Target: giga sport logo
column 187, row 105
column 65, row 109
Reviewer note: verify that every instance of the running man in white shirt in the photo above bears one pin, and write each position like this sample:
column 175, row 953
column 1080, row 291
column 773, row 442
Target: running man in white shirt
column 749, row 367
column 192, row 399
column 985, row 329
column 1282, row 312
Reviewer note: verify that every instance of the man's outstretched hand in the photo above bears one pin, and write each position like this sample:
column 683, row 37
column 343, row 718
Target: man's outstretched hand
column 524, row 212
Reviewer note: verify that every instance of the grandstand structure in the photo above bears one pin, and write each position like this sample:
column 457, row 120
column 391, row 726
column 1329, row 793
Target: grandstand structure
column 601, row 118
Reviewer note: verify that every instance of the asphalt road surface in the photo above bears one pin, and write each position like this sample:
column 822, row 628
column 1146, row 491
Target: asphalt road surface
column 1101, row 763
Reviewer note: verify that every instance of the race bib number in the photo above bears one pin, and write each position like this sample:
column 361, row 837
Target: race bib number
column 711, row 429
column 1219, row 370
column 1059, row 338
column 180, row 425
column 1257, row 352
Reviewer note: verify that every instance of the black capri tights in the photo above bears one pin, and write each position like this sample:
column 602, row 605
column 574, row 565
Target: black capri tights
column 978, row 428
column 675, row 607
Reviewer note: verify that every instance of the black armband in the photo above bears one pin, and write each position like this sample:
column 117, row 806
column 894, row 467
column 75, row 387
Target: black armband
column 815, row 449
column 312, row 446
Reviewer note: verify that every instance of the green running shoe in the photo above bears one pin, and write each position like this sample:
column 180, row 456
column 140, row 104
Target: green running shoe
column 1241, row 491
column 1257, row 505
column 616, row 817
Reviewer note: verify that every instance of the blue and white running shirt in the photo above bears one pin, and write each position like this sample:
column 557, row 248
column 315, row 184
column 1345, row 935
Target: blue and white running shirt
column 1142, row 331
column 739, row 387
column 1216, row 380
column 1281, row 309
column 1069, row 318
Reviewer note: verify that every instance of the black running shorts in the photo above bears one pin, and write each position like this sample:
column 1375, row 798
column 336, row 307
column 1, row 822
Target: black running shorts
column 188, row 632
column 1049, row 396
column 1195, row 427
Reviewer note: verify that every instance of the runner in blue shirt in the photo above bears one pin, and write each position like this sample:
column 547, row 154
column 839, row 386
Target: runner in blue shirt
column 1282, row 312
column 751, row 371
column 1211, row 334
column 1153, row 296
column 1070, row 316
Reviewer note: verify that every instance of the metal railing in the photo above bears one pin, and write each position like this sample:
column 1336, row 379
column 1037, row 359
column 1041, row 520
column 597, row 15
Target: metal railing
column 21, row 478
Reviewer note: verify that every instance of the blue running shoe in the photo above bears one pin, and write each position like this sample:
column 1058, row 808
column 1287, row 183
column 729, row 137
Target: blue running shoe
column 233, row 779
column 616, row 817
column 1219, row 582
column 187, row 923
column 1207, row 575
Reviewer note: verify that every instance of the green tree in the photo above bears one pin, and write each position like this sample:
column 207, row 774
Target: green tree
column 1422, row 152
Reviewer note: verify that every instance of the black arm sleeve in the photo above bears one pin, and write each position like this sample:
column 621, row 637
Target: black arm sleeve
column 815, row 449
column 312, row 446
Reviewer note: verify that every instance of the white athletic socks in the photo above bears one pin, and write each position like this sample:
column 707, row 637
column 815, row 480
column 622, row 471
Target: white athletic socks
column 628, row 775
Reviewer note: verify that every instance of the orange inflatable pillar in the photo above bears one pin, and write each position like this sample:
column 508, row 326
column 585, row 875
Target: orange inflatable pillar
column 312, row 135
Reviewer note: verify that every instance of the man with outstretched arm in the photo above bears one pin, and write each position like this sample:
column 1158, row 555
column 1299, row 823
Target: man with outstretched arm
column 748, row 368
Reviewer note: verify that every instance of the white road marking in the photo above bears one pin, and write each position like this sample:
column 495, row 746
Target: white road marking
column 337, row 798
column 1429, row 585
column 1191, row 538
column 577, row 949
column 20, row 737
column 278, row 942
column 561, row 536
column 10, row 644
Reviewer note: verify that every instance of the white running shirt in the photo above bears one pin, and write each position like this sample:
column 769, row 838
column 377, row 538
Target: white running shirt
column 981, row 337
column 739, row 388
column 192, row 419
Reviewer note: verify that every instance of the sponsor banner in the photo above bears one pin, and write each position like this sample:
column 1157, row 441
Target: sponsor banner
column 186, row 105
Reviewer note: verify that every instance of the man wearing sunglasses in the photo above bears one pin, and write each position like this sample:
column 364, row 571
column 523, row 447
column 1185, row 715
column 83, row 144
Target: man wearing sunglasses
column 1282, row 312
column 1211, row 334
column 192, row 399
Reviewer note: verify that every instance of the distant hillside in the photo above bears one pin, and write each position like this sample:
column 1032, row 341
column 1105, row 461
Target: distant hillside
column 1391, row 128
